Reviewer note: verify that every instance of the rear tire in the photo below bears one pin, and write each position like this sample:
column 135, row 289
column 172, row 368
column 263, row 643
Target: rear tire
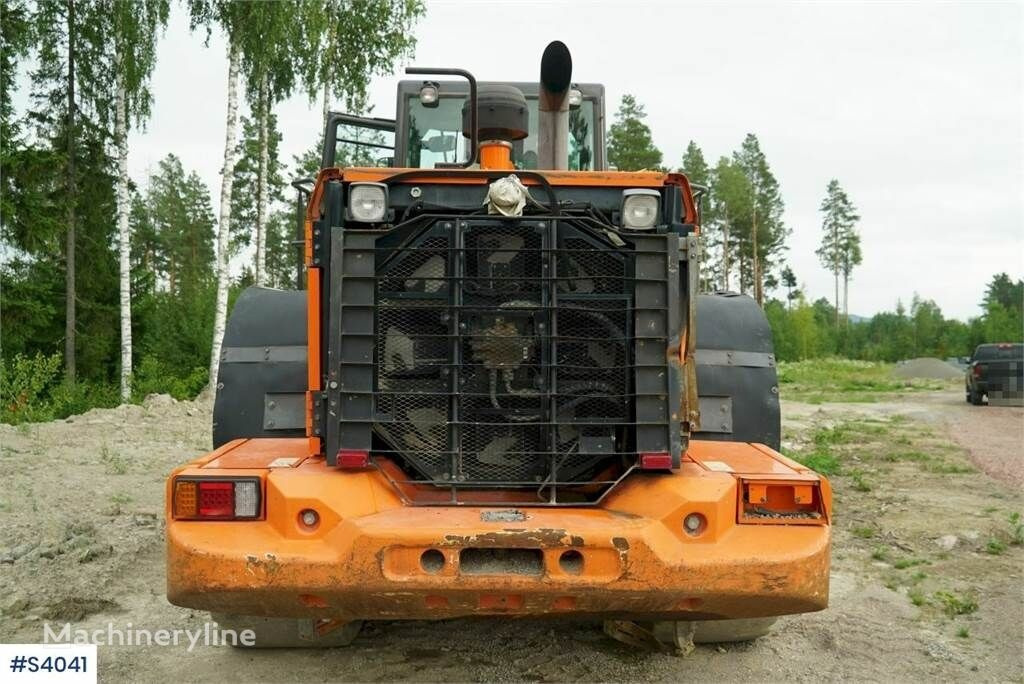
column 975, row 397
column 713, row 631
column 287, row 632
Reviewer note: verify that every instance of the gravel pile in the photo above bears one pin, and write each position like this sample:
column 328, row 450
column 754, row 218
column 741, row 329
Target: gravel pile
column 927, row 367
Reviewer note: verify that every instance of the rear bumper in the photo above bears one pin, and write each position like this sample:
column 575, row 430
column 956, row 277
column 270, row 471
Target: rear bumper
column 364, row 559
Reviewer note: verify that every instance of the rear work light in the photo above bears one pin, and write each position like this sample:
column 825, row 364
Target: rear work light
column 216, row 498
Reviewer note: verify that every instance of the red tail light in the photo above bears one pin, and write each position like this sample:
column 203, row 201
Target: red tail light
column 216, row 499
column 657, row 460
column 976, row 371
column 351, row 459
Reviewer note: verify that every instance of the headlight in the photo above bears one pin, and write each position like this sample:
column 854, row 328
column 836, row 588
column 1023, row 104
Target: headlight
column 640, row 208
column 367, row 202
column 430, row 93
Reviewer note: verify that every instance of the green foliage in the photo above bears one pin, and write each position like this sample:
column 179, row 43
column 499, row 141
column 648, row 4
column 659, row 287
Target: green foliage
column 23, row 384
column 153, row 376
column 807, row 331
column 963, row 633
column 32, row 390
column 821, row 461
column 955, row 604
column 354, row 40
column 630, row 147
column 916, row 596
column 995, row 546
column 859, row 483
column 1016, row 529
column 864, row 532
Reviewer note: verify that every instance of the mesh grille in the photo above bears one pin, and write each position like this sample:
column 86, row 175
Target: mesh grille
column 504, row 352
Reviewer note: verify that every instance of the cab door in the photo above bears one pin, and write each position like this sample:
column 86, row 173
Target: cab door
column 358, row 141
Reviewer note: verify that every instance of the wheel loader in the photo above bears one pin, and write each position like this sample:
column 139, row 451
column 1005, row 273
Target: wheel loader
column 499, row 393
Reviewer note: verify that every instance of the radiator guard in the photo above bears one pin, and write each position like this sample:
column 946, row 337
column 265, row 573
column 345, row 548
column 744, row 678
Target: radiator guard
column 513, row 353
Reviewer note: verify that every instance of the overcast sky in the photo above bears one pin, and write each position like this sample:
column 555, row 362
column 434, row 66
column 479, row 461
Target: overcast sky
column 916, row 108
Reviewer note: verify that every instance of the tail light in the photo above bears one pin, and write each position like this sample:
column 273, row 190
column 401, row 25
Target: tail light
column 779, row 502
column 351, row 459
column 216, row 498
column 656, row 460
column 976, row 371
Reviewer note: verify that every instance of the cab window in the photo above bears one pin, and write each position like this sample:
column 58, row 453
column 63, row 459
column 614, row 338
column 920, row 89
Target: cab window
column 435, row 135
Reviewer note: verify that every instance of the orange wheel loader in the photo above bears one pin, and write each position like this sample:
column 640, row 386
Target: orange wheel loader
column 498, row 393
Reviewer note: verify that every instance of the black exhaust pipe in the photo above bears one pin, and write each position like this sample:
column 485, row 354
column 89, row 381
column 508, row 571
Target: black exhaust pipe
column 553, row 119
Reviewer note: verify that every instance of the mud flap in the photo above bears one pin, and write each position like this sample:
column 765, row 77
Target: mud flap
column 737, row 380
column 262, row 384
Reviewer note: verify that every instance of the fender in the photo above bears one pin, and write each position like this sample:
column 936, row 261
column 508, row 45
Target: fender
column 737, row 379
column 261, row 389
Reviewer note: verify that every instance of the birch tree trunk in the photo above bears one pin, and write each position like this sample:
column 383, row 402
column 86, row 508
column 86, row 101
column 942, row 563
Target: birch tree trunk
column 224, row 223
column 261, row 191
column 124, row 238
column 327, row 103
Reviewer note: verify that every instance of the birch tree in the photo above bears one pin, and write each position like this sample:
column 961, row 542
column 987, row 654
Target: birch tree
column 230, row 18
column 133, row 30
column 356, row 40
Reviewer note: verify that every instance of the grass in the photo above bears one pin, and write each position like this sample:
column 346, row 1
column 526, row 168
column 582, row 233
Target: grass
column 820, row 462
column 116, row 463
column 954, row 604
column 863, row 532
column 916, row 596
column 963, row 633
column 995, row 546
column 943, row 468
column 859, row 483
column 904, row 563
column 120, row 499
column 1016, row 530
column 880, row 553
column 843, row 380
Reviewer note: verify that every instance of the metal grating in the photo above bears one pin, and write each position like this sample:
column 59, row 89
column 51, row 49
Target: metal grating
column 511, row 353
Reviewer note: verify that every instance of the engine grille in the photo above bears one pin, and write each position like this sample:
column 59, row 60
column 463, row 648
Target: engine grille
column 507, row 353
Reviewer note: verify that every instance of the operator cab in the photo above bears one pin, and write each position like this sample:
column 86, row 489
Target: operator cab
column 428, row 131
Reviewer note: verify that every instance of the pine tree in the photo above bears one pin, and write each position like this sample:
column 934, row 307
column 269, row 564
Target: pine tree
column 630, row 147
column 70, row 98
column 699, row 174
column 789, row 281
column 763, row 232
column 839, row 251
column 730, row 206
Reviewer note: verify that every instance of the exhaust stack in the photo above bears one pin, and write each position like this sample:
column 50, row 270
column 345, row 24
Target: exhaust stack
column 553, row 118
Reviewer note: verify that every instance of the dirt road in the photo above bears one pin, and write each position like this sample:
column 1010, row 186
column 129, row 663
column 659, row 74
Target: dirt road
column 925, row 579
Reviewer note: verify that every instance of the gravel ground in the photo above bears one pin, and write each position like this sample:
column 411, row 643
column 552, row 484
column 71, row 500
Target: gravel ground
column 81, row 541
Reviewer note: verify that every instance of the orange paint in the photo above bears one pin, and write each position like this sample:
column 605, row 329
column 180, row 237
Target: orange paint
column 637, row 558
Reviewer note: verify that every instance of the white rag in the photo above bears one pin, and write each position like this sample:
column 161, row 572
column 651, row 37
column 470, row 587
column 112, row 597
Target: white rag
column 507, row 196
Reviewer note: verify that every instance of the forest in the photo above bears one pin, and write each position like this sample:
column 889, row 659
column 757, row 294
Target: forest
column 115, row 287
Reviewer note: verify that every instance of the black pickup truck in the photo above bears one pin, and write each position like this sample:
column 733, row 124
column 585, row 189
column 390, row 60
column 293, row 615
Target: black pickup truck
column 996, row 371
